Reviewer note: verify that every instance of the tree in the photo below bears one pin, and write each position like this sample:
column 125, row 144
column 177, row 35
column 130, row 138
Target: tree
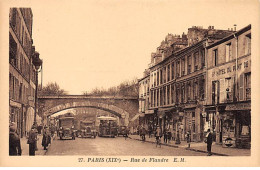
column 51, row 89
column 126, row 88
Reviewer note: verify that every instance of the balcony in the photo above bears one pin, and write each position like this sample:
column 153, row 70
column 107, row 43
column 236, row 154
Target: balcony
column 248, row 93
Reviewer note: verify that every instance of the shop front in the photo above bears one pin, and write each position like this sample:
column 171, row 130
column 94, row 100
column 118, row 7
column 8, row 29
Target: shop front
column 236, row 125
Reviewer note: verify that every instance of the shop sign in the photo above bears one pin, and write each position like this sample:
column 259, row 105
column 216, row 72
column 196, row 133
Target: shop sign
column 240, row 106
column 228, row 142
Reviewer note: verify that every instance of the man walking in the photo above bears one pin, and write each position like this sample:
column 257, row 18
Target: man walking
column 32, row 141
column 209, row 142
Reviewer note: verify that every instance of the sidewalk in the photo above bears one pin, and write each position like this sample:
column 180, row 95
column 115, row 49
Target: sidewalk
column 25, row 146
column 199, row 147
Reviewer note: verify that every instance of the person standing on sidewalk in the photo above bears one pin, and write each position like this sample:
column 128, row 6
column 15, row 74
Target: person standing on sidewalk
column 46, row 138
column 209, row 142
column 188, row 138
column 14, row 143
column 32, row 141
column 165, row 136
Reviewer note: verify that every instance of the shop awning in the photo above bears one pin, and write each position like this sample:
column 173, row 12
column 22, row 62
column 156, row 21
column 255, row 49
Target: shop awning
column 149, row 112
column 137, row 116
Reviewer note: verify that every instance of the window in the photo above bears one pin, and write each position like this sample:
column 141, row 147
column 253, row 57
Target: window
column 164, row 74
column 152, row 101
column 229, row 89
column 12, row 51
column 195, row 90
column 183, row 67
column 178, row 69
column 157, row 79
column 215, row 56
column 172, row 71
column 182, row 93
column 168, row 72
column 228, row 52
column 202, row 88
column 202, row 58
column 161, row 78
column 172, row 93
column 248, row 42
column 189, row 64
column 188, row 92
column 196, row 61
column 168, row 95
column 215, row 92
column 248, row 85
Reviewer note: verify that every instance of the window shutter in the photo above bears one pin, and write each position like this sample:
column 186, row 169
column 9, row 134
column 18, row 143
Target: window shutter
column 222, row 88
column 227, row 53
column 241, row 87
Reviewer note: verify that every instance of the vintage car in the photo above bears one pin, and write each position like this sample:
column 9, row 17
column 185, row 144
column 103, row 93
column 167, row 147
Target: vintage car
column 87, row 129
column 66, row 128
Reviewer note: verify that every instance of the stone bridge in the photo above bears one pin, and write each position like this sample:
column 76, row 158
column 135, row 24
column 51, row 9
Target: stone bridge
column 123, row 107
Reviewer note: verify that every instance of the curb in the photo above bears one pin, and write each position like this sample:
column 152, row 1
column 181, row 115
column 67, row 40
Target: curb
column 213, row 153
column 174, row 146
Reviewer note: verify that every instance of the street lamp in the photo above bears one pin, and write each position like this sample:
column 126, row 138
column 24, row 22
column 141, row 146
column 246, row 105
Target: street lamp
column 37, row 62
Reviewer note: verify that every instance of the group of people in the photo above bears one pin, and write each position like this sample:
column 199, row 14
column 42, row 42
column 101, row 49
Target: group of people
column 15, row 143
column 167, row 137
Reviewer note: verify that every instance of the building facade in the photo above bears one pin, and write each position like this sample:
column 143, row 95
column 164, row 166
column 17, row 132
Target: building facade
column 22, row 72
column 180, row 99
column 228, row 108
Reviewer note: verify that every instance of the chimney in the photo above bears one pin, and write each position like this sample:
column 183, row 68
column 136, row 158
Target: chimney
column 235, row 25
column 231, row 29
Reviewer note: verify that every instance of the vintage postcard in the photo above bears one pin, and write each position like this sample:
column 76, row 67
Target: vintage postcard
column 100, row 83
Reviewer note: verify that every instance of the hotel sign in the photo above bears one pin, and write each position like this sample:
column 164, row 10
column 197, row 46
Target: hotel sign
column 219, row 72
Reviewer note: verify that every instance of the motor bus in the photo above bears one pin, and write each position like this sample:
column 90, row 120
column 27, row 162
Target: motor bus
column 107, row 126
column 66, row 128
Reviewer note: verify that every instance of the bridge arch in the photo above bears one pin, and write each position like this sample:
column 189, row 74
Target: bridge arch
column 122, row 114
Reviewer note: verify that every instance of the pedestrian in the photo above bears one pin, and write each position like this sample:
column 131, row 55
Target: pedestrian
column 150, row 131
column 46, row 138
column 32, row 139
column 14, row 142
column 188, row 139
column 169, row 136
column 165, row 136
column 158, row 135
column 39, row 129
column 143, row 134
column 209, row 142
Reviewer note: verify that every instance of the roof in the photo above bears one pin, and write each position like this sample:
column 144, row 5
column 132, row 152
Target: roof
column 239, row 32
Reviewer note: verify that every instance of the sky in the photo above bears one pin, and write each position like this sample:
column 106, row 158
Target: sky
column 101, row 43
